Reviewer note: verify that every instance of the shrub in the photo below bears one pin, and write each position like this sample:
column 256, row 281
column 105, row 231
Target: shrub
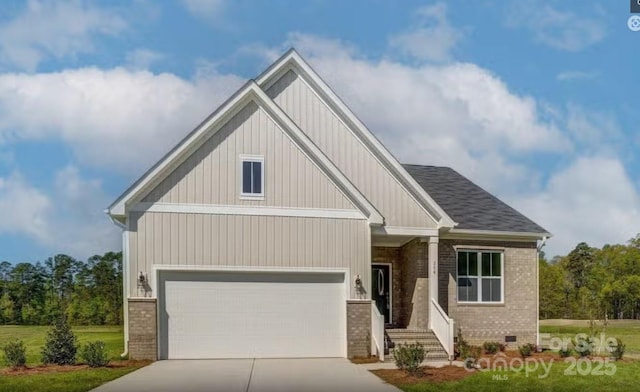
column 14, row 354
column 565, row 352
column 492, row 347
column 617, row 350
column 94, row 354
column 583, row 345
column 61, row 345
column 470, row 355
column 526, row 350
column 408, row 357
column 461, row 347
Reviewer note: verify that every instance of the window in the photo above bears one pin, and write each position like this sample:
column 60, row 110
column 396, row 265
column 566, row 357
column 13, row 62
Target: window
column 480, row 276
column 252, row 175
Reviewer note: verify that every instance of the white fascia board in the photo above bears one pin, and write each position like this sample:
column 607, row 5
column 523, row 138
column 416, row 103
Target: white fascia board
column 291, row 59
column 405, row 231
column 492, row 234
column 118, row 207
column 216, row 209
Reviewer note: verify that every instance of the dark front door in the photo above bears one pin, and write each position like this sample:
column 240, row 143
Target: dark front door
column 381, row 289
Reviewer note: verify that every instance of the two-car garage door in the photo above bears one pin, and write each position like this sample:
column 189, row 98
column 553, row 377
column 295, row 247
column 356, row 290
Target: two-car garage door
column 234, row 314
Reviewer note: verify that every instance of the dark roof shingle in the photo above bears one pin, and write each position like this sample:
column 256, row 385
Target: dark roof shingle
column 469, row 205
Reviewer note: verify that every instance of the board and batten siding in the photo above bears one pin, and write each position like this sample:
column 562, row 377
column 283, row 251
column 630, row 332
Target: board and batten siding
column 362, row 168
column 211, row 175
column 244, row 240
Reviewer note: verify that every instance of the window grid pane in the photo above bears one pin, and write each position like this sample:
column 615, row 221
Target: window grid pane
column 496, row 260
column 463, row 268
column 246, row 177
column 257, row 177
column 473, row 264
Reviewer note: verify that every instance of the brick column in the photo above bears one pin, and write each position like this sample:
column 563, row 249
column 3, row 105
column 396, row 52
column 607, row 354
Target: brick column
column 358, row 328
column 433, row 274
column 143, row 329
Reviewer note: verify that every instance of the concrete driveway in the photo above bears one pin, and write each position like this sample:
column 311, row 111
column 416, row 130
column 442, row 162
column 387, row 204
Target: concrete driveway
column 250, row 375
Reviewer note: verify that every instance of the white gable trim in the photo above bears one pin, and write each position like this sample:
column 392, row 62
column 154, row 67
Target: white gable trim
column 219, row 209
column 249, row 92
column 292, row 60
column 464, row 234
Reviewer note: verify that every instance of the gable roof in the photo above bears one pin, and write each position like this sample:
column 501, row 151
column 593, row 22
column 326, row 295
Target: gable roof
column 249, row 92
column 291, row 60
column 471, row 206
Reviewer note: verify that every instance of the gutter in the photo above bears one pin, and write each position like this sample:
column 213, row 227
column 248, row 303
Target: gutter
column 539, row 248
column 125, row 279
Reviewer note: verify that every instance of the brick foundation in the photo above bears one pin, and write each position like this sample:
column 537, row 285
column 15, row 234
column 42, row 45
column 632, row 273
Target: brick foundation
column 143, row 342
column 358, row 328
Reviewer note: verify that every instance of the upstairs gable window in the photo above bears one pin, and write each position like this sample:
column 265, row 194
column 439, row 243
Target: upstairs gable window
column 252, row 177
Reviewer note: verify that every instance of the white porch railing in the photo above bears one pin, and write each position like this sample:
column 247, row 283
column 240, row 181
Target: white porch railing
column 442, row 327
column 377, row 332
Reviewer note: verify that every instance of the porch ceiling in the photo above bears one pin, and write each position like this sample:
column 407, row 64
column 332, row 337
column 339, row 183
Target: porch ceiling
column 390, row 240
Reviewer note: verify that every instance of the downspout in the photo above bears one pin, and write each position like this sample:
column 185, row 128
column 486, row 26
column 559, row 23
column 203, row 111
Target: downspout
column 125, row 283
column 542, row 244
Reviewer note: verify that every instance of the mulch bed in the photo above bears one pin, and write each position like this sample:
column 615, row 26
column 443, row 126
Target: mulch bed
column 44, row 369
column 363, row 360
column 428, row 374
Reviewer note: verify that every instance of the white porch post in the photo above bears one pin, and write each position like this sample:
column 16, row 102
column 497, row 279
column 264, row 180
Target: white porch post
column 433, row 275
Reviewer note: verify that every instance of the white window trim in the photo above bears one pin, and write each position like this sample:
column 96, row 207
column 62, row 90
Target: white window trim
column 251, row 158
column 479, row 277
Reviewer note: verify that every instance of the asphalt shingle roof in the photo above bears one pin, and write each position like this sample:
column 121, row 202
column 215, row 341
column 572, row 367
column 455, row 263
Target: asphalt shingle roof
column 469, row 205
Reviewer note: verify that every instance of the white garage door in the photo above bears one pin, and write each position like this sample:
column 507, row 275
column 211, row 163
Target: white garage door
column 252, row 315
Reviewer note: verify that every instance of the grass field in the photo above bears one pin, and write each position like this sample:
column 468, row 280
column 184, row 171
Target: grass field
column 627, row 330
column 34, row 337
column 74, row 381
column 626, row 378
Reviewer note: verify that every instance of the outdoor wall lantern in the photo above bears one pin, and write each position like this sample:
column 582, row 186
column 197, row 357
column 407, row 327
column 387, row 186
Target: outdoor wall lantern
column 143, row 283
column 359, row 287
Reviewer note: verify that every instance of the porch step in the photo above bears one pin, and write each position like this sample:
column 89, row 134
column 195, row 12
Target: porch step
column 435, row 351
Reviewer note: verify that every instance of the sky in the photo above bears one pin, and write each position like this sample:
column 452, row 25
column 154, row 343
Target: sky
column 534, row 101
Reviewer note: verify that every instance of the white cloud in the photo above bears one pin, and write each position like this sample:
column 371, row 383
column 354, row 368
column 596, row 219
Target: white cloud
column 210, row 9
column 592, row 200
column 54, row 28
column 560, row 29
column 107, row 115
column 24, row 208
column 432, row 39
column 569, row 76
column 593, row 130
column 142, row 59
column 456, row 115
column 66, row 219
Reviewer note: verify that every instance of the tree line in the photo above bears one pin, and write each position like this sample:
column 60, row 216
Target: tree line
column 85, row 292
column 592, row 283
column 588, row 283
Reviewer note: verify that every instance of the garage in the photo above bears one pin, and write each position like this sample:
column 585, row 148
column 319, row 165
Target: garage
column 251, row 314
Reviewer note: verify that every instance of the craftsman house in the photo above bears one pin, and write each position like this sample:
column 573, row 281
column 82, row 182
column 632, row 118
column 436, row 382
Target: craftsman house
column 281, row 227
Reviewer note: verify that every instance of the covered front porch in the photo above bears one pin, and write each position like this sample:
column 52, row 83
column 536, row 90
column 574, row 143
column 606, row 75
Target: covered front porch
column 407, row 297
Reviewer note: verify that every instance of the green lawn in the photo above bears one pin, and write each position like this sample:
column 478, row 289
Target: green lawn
column 625, row 378
column 76, row 381
column 627, row 330
column 79, row 380
column 34, row 337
